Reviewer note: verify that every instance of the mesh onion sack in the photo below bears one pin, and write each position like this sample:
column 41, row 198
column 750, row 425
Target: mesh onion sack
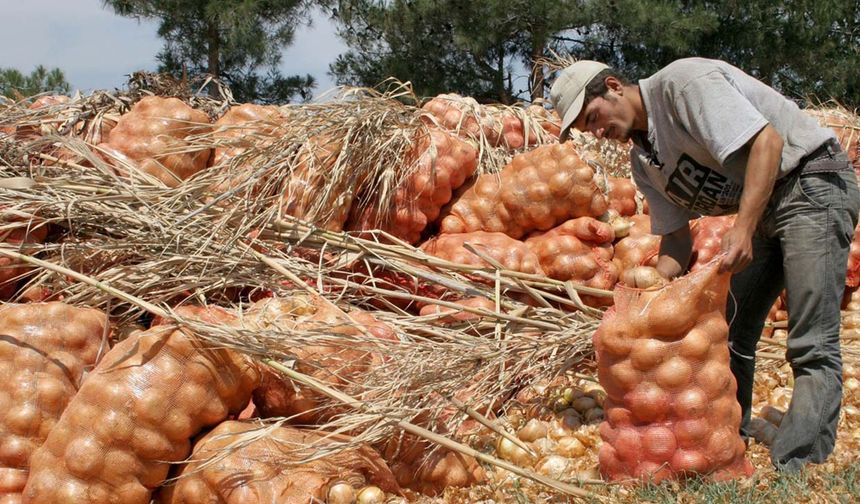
column 536, row 191
column 663, row 359
column 266, row 467
column 154, row 138
column 45, row 351
column 579, row 250
column 136, row 413
column 444, row 162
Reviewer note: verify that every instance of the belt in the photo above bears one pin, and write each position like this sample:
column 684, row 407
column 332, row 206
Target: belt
column 823, row 159
column 829, row 148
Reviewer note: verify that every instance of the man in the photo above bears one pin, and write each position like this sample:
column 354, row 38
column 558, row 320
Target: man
column 708, row 139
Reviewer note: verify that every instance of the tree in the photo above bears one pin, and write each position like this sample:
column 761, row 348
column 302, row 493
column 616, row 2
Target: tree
column 237, row 41
column 801, row 47
column 448, row 45
column 13, row 83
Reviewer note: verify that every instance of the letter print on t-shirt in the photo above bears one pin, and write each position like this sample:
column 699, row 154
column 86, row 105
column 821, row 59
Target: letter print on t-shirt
column 701, row 189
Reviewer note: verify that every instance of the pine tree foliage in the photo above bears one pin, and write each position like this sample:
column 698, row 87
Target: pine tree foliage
column 16, row 85
column 237, row 41
column 804, row 48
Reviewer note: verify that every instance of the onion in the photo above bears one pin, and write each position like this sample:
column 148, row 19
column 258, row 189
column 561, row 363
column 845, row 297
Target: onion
column 543, row 446
column 607, row 432
column 513, row 453
column 570, row 447
column 611, row 465
column 583, row 404
column 564, row 426
column 715, row 326
column 553, row 466
column 341, row 493
column 614, row 342
column 647, row 354
column 689, row 462
column 622, row 377
column 647, row 402
column 370, row 495
column 642, row 277
column 668, row 317
column 722, row 445
column 15, row 450
column 659, row 443
column 619, row 417
column 628, row 445
column 690, row 403
column 715, row 378
column 691, row 433
column 84, row 457
column 695, row 345
column 675, row 373
column 652, row 471
column 593, row 415
column 533, row 430
column 852, row 384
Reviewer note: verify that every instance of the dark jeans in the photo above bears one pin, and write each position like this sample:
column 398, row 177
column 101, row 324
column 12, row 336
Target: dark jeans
column 801, row 244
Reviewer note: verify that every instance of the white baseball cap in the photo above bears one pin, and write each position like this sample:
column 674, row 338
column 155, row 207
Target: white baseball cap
column 568, row 91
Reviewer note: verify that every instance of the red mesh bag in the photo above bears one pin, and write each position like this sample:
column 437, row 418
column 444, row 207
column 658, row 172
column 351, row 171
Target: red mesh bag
column 852, row 278
column 304, row 194
column 536, row 191
column 444, row 164
column 462, row 115
column 579, row 250
column 12, row 270
column 341, row 366
column 265, row 470
column 242, row 127
column 459, row 316
column 45, row 351
column 707, row 234
column 512, row 254
column 154, row 137
column 622, row 196
column 136, row 413
column 663, row 360
column 333, row 363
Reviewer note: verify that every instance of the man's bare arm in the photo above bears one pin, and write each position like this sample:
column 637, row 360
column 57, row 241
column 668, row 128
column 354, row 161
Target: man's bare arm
column 675, row 251
column 761, row 171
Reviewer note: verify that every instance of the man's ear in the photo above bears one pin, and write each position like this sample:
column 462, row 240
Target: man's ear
column 613, row 84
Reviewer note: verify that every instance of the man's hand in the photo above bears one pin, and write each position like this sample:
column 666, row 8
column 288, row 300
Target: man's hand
column 737, row 245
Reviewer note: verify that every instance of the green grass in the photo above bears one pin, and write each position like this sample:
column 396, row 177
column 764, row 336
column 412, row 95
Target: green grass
column 842, row 486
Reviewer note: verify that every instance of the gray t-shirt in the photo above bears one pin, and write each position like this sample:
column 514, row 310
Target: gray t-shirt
column 701, row 114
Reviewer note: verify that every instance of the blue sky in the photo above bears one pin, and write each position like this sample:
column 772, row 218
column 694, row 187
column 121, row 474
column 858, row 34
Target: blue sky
column 96, row 48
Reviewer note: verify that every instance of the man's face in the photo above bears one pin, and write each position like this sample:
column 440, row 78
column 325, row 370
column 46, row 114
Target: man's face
column 607, row 116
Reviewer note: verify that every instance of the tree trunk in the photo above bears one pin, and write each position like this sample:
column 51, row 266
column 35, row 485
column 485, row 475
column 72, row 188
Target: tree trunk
column 537, row 74
column 214, row 56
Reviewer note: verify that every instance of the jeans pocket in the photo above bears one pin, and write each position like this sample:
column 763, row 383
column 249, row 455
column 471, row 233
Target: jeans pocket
column 818, row 187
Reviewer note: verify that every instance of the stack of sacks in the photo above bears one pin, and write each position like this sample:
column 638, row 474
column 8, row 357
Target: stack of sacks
column 136, row 414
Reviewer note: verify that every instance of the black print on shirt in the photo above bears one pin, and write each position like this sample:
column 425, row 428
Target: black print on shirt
column 700, row 189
